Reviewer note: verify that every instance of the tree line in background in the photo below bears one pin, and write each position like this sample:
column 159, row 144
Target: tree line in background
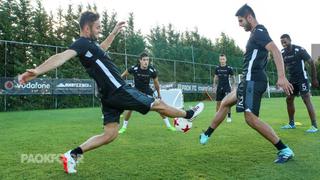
column 25, row 22
column 21, row 21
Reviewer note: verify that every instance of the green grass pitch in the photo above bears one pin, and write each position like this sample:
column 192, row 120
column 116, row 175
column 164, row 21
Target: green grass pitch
column 148, row 151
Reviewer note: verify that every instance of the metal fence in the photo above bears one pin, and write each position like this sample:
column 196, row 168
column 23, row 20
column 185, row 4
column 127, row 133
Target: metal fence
column 32, row 54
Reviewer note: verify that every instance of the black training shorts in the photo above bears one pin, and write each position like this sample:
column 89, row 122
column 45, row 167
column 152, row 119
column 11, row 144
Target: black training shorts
column 222, row 92
column 301, row 87
column 249, row 94
column 125, row 98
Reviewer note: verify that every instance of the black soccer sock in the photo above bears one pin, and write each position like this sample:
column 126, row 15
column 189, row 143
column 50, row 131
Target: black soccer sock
column 280, row 145
column 209, row 131
column 229, row 114
column 314, row 123
column 76, row 152
column 189, row 114
column 291, row 122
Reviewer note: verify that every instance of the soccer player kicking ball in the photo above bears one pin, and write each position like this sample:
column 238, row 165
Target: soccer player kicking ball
column 142, row 73
column 294, row 57
column 222, row 74
column 254, row 84
column 116, row 95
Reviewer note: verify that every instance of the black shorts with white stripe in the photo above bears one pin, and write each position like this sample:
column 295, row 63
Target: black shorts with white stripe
column 249, row 94
column 300, row 87
column 125, row 98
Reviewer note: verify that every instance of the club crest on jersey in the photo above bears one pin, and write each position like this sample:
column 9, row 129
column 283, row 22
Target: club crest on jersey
column 88, row 54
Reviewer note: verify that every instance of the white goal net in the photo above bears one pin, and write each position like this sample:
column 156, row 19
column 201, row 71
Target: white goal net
column 172, row 97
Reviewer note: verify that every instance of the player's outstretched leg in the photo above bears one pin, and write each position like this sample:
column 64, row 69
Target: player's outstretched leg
column 70, row 158
column 169, row 111
column 284, row 152
column 225, row 105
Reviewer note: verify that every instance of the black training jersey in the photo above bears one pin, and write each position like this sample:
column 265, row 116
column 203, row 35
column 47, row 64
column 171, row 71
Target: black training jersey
column 98, row 65
column 223, row 73
column 255, row 58
column 294, row 59
column 142, row 76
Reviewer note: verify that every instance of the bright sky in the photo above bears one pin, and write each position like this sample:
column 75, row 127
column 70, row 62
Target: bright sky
column 300, row 19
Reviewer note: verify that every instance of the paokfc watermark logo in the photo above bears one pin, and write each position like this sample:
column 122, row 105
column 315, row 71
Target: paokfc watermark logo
column 44, row 158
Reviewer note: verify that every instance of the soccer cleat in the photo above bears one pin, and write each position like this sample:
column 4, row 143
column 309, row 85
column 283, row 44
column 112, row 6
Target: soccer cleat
column 288, row 126
column 284, row 155
column 203, row 139
column 69, row 164
column 122, row 130
column 171, row 128
column 197, row 110
column 229, row 119
column 312, row 130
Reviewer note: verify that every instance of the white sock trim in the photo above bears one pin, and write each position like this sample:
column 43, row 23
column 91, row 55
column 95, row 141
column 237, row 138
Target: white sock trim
column 166, row 121
column 125, row 123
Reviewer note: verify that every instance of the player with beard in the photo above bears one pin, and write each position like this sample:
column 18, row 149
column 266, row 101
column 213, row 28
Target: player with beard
column 254, row 83
column 116, row 95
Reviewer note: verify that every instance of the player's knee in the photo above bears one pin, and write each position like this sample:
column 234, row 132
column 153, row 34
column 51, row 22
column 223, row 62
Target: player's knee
column 158, row 105
column 156, row 102
column 224, row 103
column 290, row 99
column 250, row 120
column 109, row 136
column 306, row 98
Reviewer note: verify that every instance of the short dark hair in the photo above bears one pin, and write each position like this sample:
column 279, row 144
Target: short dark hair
column 285, row 36
column 244, row 11
column 88, row 17
column 143, row 54
column 221, row 55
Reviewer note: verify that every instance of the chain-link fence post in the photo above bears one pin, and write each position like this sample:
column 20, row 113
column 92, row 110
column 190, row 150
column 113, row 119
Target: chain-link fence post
column 194, row 68
column 175, row 71
column 56, row 76
column 5, row 72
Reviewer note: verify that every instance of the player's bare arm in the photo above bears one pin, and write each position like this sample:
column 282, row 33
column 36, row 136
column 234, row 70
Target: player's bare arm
column 157, row 86
column 314, row 80
column 108, row 41
column 215, row 81
column 233, row 82
column 282, row 80
column 125, row 74
column 50, row 64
